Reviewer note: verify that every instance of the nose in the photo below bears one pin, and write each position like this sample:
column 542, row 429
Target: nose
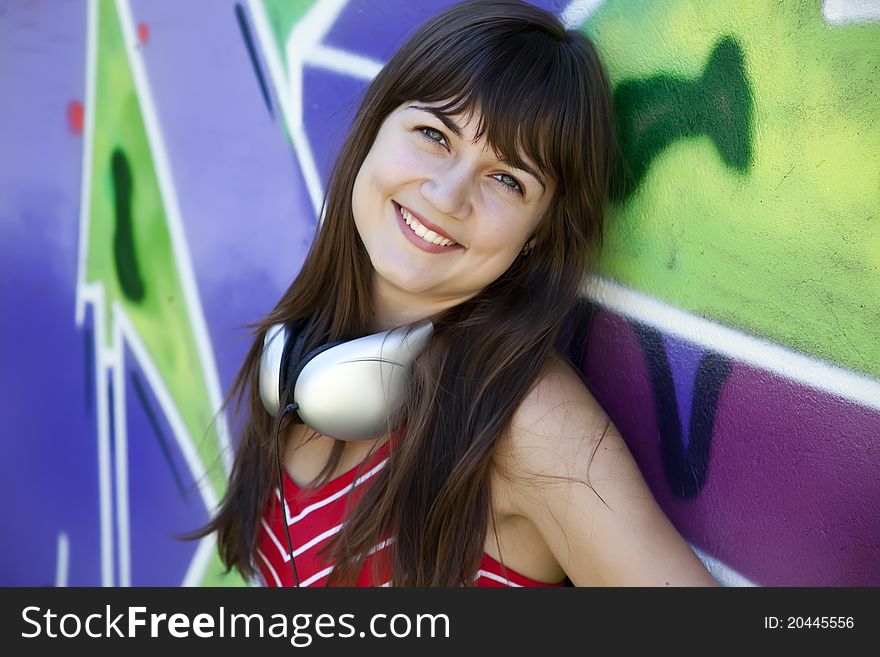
column 449, row 190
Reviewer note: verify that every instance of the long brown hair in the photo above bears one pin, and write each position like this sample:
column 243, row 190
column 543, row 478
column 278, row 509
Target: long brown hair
column 540, row 90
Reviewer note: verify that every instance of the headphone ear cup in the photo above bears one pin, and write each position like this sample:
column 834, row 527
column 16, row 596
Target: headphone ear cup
column 295, row 363
column 292, row 359
column 281, row 343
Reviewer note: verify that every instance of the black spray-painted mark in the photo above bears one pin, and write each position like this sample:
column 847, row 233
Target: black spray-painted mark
column 157, row 431
column 245, row 28
column 685, row 469
column 124, row 251
column 576, row 329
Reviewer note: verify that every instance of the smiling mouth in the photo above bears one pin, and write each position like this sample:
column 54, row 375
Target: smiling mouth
column 422, row 231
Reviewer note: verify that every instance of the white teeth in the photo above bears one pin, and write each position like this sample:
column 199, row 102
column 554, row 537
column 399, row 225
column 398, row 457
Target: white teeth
column 422, row 231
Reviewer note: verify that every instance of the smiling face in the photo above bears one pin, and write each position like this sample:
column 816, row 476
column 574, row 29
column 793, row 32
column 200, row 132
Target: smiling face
column 440, row 214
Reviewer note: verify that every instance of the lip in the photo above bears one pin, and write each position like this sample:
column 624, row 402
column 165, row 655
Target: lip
column 418, row 241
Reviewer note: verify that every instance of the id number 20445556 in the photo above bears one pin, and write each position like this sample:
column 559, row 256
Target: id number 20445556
column 812, row 622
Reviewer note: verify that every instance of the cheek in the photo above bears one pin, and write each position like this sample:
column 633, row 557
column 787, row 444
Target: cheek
column 366, row 209
column 395, row 171
column 359, row 199
column 504, row 229
column 375, row 180
column 491, row 254
column 392, row 162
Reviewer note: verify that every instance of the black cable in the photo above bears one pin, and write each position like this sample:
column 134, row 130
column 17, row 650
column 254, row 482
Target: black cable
column 287, row 409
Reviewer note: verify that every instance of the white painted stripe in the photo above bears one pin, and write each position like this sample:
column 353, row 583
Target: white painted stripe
column 497, row 578
column 288, row 92
column 723, row 574
column 169, row 409
column 85, row 202
column 839, row 12
column 340, row 61
column 302, row 43
column 62, row 560
column 195, row 573
column 306, row 34
column 272, row 54
column 105, row 486
column 110, row 361
column 120, row 441
column 269, row 566
column 757, row 352
column 290, row 102
column 327, row 500
column 578, row 11
column 182, row 259
column 86, row 293
column 318, row 575
column 127, row 335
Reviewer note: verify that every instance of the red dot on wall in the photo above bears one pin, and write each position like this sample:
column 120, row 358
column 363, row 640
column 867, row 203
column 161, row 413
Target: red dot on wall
column 75, row 115
column 143, row 33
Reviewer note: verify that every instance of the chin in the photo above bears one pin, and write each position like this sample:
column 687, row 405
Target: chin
column 408, row 279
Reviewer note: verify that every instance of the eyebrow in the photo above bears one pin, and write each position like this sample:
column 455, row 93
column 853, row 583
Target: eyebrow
column 457, row 131
column 449, row 123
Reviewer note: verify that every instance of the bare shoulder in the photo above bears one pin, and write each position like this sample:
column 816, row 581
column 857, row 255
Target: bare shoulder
column 564, row 467
column 556, row 425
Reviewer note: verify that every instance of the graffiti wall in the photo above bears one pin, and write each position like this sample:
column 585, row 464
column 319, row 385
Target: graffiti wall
column 161, row 175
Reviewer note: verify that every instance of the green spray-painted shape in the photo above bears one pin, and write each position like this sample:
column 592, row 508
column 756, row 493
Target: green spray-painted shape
column 790, row 250
column 130, row 253
column 653, row 113
column 125, row 255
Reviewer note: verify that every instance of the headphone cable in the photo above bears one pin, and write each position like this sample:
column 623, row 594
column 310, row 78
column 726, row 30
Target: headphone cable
column 284, row 512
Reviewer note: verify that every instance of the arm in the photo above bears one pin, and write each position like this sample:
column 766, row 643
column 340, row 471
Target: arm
column 561, row 456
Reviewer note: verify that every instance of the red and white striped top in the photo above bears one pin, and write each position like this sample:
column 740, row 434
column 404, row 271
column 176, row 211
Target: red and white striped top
column 315, row 515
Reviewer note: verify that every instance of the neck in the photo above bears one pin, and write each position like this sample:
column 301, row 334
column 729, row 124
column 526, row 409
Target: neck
column 393, row 307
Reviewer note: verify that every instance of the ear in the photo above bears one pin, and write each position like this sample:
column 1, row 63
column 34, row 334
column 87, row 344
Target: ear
column 529, row 246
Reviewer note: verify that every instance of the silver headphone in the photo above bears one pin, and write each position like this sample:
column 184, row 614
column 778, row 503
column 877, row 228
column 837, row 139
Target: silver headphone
column 348, row 389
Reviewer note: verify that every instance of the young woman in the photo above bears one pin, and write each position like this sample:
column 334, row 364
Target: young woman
column 470, row 193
